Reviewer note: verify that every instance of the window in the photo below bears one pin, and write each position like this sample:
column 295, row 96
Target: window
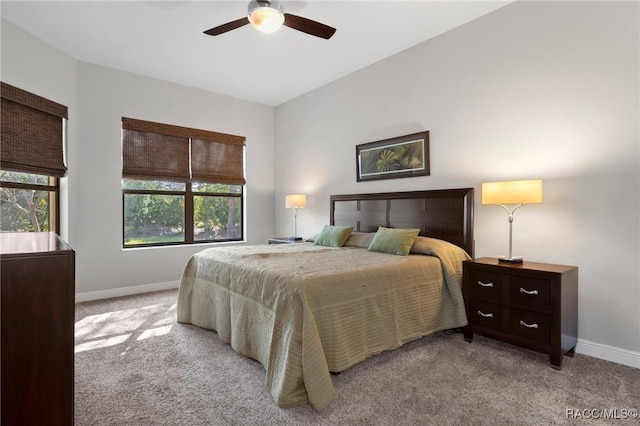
column 31, row 161
column 28, row 202
column 180, row 185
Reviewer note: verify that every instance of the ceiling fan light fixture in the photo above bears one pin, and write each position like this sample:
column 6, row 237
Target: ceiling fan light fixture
column 268, row 16
column 265, row 16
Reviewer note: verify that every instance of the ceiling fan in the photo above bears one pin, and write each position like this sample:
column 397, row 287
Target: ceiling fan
column 269, row 16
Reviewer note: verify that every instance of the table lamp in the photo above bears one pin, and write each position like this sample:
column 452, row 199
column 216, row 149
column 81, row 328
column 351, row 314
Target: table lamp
column 517, row 193
column 295, row 202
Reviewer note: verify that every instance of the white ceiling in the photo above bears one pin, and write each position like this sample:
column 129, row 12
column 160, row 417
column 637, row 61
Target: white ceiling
column 164, row 39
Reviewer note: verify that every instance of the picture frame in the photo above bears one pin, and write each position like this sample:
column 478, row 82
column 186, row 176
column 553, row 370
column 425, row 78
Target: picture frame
column 399, row 157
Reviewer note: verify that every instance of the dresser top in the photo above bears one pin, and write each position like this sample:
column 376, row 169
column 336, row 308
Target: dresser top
column 31, row 242
column 532, row 266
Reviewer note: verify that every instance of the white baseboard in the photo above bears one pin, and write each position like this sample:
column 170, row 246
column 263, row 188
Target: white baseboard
column 609, row 353
column 125, row 291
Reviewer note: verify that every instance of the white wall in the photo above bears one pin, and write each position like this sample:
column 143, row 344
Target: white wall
column 534, row 90
column 97, row 98
column 104, row 97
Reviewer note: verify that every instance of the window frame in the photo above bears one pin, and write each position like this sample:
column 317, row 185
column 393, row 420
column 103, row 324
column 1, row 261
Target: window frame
column 169, row 153
column 189, row 213
column 34, row 138
column 53, row 188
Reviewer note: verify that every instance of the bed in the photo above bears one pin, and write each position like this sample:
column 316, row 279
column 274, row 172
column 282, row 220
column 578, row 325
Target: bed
column 305, row 310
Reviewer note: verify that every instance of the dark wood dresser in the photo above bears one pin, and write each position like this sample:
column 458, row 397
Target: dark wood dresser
column 533, row 305
column 37, row 273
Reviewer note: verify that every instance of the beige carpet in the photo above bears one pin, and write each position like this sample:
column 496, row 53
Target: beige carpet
column 135, row 365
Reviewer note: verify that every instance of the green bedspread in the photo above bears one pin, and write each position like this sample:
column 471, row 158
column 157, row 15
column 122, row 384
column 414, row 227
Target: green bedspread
column 303, row 310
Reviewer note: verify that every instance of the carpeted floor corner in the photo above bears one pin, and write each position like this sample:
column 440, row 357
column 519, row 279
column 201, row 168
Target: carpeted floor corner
column 135, row 365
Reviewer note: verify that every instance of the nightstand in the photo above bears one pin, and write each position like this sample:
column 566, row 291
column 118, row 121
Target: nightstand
column 284, row 240
column 533, row 305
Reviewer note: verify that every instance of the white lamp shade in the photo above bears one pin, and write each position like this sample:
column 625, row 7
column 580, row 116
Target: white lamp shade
column 512, row 192
column 296, row 201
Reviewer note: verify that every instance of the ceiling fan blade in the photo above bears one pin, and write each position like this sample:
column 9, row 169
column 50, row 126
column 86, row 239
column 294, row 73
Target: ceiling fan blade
column 308, row 26
column 221, row 29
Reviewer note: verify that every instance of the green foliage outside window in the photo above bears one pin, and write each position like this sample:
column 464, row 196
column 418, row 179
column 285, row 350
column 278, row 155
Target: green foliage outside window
column 24, row 209
column 161, row 215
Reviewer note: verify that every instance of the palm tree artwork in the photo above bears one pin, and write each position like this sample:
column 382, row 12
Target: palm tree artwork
column 407, row 157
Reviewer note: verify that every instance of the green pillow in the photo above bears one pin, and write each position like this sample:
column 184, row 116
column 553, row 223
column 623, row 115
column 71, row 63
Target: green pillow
column 393, row 241
column 333, row 236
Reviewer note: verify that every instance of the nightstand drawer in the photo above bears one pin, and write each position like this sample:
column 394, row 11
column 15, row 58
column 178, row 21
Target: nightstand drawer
column 529, row 293
column 533, row 326
column 486, row 315
column 486, row 286
column 530, row 304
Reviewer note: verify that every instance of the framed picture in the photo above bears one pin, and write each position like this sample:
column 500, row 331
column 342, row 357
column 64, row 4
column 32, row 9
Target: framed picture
column 404, row 156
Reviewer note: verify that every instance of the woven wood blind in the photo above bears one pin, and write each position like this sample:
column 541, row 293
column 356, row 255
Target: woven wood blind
column 217, row 162
column 161, row 151
column 31, row 132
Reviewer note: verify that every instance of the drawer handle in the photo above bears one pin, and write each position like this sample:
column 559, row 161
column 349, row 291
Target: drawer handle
column 489, row 315
column 528, row 325
column 529, row 292
column 481, row 284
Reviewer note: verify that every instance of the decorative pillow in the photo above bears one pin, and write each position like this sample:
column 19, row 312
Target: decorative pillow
column 393, row 240
column 360, row 239
column 333, row 236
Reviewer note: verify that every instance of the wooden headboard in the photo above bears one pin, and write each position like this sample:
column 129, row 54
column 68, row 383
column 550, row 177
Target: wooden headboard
column 446, row 214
